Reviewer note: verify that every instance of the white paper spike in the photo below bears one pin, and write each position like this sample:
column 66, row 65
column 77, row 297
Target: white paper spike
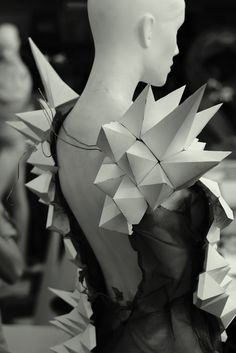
column 84, row 306
column 42, row 158
column 68, row 297
column 24, row 130
column 114, row 140
column 196, row 146
column 156, row 187
column 201, row 120
column 57, row 220
column 208, row 287
column 162, row 108
column 216, row 305
column 88, row 337
column 169, row 135
column 141, row 160
column 39, row 121
column 214, row 260
column 226, row 282
column 134, row 117
column 43, row 187
column 62, row 327
column 109, row 178
column 219, row 274
column 213, row 235
column 228, row 313
column 113, row 219
column 185, row 168
column 60, row 349
column 57, row 91
column 130, row 201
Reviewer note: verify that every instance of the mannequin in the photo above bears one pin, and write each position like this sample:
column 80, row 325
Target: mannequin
column 131, row 46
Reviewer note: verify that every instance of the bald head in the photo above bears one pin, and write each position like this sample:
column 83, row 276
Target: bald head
column 134, row 26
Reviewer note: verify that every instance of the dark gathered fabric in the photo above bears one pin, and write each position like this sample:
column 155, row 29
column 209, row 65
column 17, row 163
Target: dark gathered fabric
column 171, row 248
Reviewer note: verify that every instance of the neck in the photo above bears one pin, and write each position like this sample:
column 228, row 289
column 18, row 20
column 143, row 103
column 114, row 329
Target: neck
column 112, row 81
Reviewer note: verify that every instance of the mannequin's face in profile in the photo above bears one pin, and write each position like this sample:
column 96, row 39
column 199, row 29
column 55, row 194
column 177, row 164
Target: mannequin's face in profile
column 163, row 45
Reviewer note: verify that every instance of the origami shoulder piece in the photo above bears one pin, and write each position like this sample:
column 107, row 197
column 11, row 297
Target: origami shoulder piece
column 151, row 152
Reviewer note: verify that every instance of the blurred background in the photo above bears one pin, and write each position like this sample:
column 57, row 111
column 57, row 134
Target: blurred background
column 60, row 29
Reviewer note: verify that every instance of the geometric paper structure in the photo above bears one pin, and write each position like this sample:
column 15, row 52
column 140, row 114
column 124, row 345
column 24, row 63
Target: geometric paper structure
column 112, row 218
column 36, row 127
column 156, row 187
column 141, row 160
column 153, row 152
column 114, row 140
column 109, row 178
column 155, row 143
column 130, row 201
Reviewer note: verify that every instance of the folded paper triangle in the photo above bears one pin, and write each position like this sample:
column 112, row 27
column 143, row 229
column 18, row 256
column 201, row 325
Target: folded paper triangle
column 56, row 90
column 130, row 201
column 161, row 109
column 219, row 274
column 141, row 160
column 24, row 130
column 228, row 313
column 39, row 121
column 169, row 135
column 71, row 298
column 57, row 220
column 84, row 306
column 214, row 260
column 208, row 287
column 156, row 187
column 213, row 235
column 42, row 158
column 109, row 178
column 216, row 306
column 226, row 282
column 64, row 327
column 113, row 219
column 88, row 337
column 134, row 117
column 43, row 187
column 60, row 349
column 201, row 120
column 114, row 140
column 185, row 168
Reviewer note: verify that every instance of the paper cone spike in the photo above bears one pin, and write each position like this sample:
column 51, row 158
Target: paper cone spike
column 161, row 109
column 37, row 171
column 134, row 117
column 84, row 307
column 227, row 211
column 113, row 219
column 156, row 187
column 226, row 282
column 185, row 168
column 24, row 130
column 219, row 274
column 88, row 337
column 141, row 160
column 228, row 313
column 130, row 201
column 57, row 91
column 42, row 158
column 62, row 327
column 208, row 287
column 196, row 146
column 39, row 121
column 212, row 186
column 169, row 135
column 68, row 297
column 70, row 249
column 109, row 178
column 70, row 326
column 213, row 235
column 43, row 187
column 201, row 120
column 74, row 345
column 114, row 140
column 75, row 318
column 57, row 220
column 216, row 306
column 214, row 260
column 60, row 349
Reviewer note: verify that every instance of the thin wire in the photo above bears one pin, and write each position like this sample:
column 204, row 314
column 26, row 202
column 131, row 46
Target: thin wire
column 90, row 147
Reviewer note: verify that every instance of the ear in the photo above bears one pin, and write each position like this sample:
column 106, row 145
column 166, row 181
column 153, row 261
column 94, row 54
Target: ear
column 146, row 30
